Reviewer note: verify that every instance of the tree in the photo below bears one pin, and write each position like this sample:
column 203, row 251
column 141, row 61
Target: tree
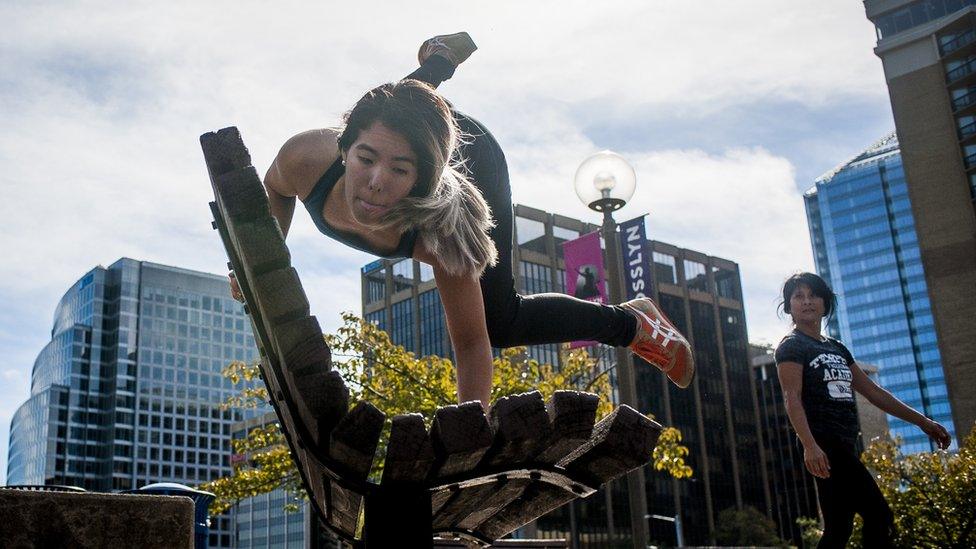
column 810, row 531
column 746, row 527
column 397, row 382
column 932, row 494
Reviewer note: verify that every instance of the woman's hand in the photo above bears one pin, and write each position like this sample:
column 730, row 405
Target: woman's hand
column 235, row 288
column 816, row 461
column 936, row 432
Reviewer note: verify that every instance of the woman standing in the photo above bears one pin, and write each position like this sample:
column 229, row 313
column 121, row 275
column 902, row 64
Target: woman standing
column 407, row 176
column 819, row 375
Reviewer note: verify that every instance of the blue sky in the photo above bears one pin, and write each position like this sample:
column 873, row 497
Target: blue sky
column 727, row 110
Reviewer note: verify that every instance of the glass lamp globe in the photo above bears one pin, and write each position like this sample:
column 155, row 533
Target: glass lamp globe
column 605, row 181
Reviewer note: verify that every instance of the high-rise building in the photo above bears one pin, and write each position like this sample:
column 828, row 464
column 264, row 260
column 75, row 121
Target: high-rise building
column 865, row 245
column 127, row 392
column 928, row 49
column 717, row 416
column 792, row 488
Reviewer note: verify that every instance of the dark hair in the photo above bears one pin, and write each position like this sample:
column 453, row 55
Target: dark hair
column 445, row 208
column 818, row 286
column 414, row 110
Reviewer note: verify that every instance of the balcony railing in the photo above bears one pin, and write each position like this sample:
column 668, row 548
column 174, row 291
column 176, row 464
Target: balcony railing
column 967, row 131
column 964, row 101
column 962, row 70
column 960, row 41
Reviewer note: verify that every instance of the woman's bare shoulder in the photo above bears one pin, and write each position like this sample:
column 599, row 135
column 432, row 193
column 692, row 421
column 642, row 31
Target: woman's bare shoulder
column 305, row 157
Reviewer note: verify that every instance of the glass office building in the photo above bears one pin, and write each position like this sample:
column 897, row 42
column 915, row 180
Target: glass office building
column 717, row 416
column 928, row 51
column 865, row 246
column 127, row 392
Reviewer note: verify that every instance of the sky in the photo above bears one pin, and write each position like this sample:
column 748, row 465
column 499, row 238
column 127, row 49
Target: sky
column 727, row 110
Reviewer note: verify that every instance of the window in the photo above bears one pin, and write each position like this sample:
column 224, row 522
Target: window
column 726, row 283
column 375, row 285
column 664, row 268
column 531, row 234
column 695, row 276
column 426, row 272
column 402, row 275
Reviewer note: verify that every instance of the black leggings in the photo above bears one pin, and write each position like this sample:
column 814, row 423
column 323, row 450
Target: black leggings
column 851, row 489
column 514, row 319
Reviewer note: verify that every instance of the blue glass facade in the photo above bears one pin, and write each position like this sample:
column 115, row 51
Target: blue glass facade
column 262, row 523
column 434, row 339
column 401, row 331
column 863, row 236
column 127, row 392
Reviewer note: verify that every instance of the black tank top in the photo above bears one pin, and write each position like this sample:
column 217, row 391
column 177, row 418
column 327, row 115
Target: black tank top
column 315, row 202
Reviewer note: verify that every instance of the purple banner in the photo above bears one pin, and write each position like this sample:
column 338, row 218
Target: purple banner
column 637, row 265
column 584, row 272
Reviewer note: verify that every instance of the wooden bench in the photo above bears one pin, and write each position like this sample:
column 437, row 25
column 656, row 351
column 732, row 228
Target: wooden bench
column 472, row 475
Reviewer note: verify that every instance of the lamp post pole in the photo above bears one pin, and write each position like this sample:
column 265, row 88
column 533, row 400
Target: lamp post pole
column 605, row 182
column 626, row 384
column 678, row 532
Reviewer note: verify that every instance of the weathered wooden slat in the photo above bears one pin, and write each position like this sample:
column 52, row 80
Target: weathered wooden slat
column 280, row 297
column 622, row 441
column 354, row 440
column 321, row 400
column 461, row 435
column 260, row 245
column 409, row 454
column 344, row 509
column 440, row 498
column 572, row 415
column 318, row 479
column 302, row 348
column 509, row 491
column 224, row 151
column 537, row 499
column 521, row 429
column 465, row 501
column 241, row 195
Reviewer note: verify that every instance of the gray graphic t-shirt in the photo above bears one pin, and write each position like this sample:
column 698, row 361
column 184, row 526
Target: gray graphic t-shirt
column 828, row 397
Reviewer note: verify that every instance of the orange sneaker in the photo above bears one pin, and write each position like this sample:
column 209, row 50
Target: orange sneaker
column 454, row 47
column 660, row 343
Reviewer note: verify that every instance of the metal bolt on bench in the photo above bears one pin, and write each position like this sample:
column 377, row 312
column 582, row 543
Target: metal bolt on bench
column 474, row 476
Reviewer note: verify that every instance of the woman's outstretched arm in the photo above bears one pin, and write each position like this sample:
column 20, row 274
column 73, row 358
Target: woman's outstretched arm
column 890, row 404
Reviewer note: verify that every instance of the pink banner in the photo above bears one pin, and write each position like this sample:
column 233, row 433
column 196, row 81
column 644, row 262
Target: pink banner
column 584, row 272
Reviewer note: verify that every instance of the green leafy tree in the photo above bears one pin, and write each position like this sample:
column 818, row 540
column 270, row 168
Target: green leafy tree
column 932, row 494
column 746, row 527
column 397, row 382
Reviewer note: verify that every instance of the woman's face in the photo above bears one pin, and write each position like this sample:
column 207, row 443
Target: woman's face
column 381, row 169
column 804, row 306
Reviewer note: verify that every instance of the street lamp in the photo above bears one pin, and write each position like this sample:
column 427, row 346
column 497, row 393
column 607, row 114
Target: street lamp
column 605, row 182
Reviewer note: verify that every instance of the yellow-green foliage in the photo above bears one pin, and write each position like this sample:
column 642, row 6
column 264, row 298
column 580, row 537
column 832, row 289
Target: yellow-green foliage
column 397, row 382
column 932, row 494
